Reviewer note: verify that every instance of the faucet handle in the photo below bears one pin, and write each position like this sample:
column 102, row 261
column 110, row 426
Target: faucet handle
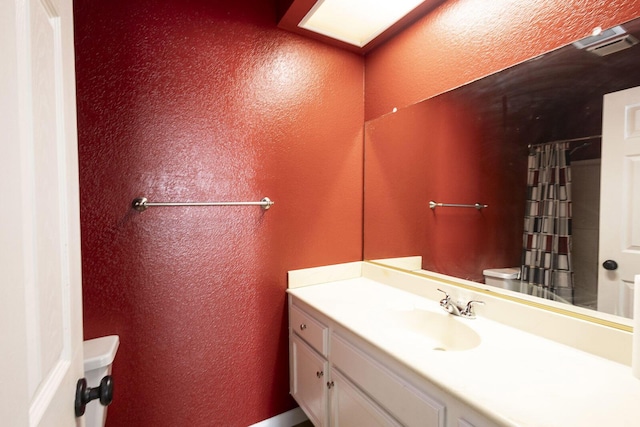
column 468, row 312
column 446, row 298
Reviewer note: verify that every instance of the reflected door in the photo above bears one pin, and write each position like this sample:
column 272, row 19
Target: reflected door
column 619, row 251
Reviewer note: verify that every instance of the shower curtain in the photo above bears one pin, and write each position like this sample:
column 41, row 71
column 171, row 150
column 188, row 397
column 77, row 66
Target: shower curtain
column 546, row 256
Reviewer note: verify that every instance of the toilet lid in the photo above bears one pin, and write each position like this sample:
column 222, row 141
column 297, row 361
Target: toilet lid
column 100, row 352
column 502, row 273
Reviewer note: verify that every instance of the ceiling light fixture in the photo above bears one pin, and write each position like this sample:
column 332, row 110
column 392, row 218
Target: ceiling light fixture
column 356, row 22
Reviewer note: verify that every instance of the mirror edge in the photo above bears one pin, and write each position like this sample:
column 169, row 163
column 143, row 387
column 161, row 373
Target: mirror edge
column 570, row 311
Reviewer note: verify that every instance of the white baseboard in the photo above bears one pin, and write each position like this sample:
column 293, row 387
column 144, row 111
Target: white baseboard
column 287, row 419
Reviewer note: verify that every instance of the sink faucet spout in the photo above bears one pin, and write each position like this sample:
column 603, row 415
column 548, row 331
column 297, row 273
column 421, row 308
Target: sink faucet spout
column 458, row 310
column 448, row 305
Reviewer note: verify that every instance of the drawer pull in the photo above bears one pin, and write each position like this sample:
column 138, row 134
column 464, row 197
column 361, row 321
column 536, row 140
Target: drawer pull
column 319, row 374
column 303, row 326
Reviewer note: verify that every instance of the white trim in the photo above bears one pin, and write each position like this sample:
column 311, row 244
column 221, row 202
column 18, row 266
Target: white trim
column 287, row 419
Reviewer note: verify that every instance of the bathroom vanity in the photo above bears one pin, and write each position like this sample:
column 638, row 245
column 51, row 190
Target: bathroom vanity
column 339, row 378
column 370, row 345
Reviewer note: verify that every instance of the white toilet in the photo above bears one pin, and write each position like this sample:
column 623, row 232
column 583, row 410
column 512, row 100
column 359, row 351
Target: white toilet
column 98, row 357
column 505, row 278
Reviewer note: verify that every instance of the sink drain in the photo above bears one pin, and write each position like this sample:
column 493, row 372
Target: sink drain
column 439, row 349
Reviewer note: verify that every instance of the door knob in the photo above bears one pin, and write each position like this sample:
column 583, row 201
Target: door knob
column 610, row 265
column 85, row 394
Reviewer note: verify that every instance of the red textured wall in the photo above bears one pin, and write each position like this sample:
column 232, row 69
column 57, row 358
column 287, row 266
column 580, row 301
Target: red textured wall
column 438, row 150
column 464, row 40
column 192, row 100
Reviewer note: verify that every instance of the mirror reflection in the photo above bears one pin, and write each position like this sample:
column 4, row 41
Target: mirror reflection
column 527, row 142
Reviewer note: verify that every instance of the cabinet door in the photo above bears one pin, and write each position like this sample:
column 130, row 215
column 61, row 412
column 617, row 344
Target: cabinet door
column 351, row 408
column 412, row 407
column 309, row 381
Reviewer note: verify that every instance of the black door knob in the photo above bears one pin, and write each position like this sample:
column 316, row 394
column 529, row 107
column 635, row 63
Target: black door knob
column 84, row 394
column 610, row 265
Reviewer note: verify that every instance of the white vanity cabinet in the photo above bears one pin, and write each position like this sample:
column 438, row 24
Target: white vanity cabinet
column 309, row 367
column 309, row 381
column 411, row 406
column 340, row 380
column 351, row 407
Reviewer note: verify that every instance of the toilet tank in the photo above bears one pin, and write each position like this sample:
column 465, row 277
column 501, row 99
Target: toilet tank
column 98, row 358
column 505, row 278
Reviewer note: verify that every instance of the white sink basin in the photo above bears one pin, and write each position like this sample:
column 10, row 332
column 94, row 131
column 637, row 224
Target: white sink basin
column 428, row 329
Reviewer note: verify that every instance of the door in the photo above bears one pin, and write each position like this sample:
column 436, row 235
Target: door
column 40, row 293
column 619, row 252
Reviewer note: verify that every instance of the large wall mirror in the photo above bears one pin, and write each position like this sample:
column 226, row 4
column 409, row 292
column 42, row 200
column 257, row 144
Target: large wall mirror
column 477, row 144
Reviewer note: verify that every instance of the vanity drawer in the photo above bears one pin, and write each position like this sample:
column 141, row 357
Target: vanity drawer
column 410, row 406
column 310, row 329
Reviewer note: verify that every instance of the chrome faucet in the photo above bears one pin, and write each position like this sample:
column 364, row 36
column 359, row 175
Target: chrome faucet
column 458, row 310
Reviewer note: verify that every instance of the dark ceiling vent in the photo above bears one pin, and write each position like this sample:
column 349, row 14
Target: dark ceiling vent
column 607, row 42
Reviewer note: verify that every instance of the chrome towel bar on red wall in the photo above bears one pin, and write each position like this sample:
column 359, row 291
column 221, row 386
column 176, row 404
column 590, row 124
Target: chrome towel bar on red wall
column 434, row 205
column 141, row 204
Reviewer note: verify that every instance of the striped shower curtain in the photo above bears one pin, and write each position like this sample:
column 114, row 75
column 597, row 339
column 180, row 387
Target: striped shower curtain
column 546, row 256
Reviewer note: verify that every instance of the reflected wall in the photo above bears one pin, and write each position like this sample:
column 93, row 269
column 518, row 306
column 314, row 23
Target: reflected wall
column 443, row 150
column 464, row 40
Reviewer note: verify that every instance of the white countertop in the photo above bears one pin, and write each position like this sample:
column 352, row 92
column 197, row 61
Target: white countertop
column 513, row 377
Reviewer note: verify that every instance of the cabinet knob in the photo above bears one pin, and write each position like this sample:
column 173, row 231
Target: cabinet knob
column 330, row 384
column 319, row 374
column 610, row 265
column 303, row 326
